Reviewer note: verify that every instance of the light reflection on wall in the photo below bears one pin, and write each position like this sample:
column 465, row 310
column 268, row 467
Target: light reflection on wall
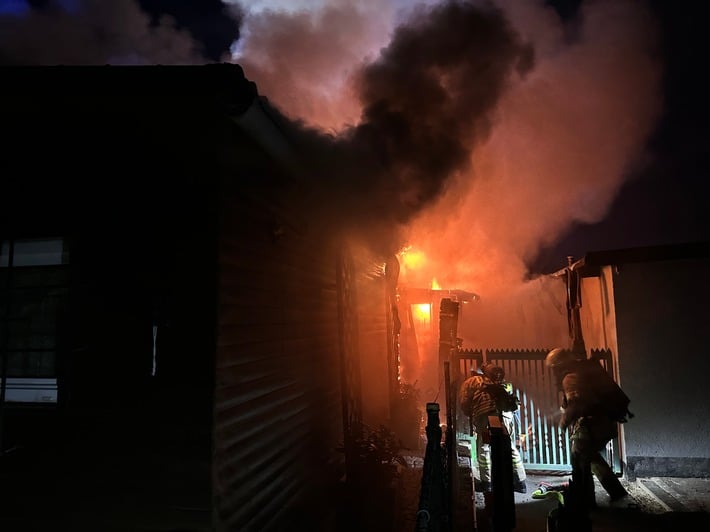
column 426, row 332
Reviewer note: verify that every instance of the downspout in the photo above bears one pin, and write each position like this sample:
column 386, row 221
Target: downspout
column 574, row 303
column 570, row 275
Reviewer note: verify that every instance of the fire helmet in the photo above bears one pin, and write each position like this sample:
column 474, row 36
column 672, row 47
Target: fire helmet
column 559, row 358
column 493, row 372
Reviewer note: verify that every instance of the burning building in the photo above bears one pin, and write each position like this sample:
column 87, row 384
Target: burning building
column 236, row 266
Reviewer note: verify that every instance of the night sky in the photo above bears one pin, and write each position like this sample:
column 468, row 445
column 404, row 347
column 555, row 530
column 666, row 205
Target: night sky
column 663, row 199
column 667, row 202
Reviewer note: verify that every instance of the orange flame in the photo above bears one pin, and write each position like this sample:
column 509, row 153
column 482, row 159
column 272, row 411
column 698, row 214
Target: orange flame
column 422, row 312
column 411, row 259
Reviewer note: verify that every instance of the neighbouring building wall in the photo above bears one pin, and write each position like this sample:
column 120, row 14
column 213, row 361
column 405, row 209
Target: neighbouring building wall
column 664, row 362
column 278, row 411
column 301, row 354
column 593, row 313
column 372, row 317
column 127, row 183
column 598, row 314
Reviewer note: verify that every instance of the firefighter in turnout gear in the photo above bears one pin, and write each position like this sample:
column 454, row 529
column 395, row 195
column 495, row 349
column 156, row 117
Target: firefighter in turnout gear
column 483, row 395
column 592, row 406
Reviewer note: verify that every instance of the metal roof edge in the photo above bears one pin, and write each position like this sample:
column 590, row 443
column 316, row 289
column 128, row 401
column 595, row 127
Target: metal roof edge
column 593, row 260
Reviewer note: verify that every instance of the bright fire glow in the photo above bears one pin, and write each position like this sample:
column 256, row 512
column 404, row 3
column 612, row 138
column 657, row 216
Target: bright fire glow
column 422, row 312
column 411, row 259
column 435, row 284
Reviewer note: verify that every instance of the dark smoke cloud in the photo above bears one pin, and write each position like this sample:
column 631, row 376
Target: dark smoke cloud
column 208, row 21
column 427, row 99
column 426, row 103
column 95, row 32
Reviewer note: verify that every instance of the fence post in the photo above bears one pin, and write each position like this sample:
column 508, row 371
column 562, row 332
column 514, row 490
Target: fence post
column 501, row 477
column 432, row 513
column 452, row 462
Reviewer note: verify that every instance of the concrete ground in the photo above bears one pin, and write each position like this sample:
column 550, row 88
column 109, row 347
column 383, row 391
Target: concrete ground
column 653, row 504
column 85, row 496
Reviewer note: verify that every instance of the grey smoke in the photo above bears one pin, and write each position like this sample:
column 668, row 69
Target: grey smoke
column 98, row 32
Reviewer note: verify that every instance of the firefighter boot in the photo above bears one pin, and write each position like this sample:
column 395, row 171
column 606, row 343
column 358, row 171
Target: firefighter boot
column 608, row 480
column 613, row 487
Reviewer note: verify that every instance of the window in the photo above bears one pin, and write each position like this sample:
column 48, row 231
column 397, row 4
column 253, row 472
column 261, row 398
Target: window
column 33, row 289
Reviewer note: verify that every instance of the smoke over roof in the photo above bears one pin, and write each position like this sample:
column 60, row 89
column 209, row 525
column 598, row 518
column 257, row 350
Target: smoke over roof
column 476, row 132
column 566, row 137
column 491, row 128
column 426, row 102
column 96, row 32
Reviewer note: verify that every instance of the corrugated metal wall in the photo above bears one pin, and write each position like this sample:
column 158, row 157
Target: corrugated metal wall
column 373, row 332
column 277, row 396
column 294, row 315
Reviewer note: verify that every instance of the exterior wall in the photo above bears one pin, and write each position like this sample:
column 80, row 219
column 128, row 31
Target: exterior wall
column 598, row 316
column 301, row 355
column 593, row 326
column 130, row 186
column 373, row 339
column 662, row 315
column 277, row 376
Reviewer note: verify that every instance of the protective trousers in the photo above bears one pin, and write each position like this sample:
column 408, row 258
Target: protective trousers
column 518, row 469
column 483, row 451
column 589, row 437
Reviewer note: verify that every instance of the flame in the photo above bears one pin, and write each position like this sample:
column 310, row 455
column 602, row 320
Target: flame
column 411, row 259
column 435, row 284
column 422, row 312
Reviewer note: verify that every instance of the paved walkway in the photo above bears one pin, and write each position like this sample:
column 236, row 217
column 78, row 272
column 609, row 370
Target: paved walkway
column 653, row 505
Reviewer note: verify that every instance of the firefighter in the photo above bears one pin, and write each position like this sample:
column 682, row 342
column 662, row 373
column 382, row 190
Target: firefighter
column 483, row 395
column 589, row 411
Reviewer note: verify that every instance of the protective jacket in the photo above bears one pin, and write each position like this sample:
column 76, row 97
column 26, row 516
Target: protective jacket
column 474, row 398
column 589, row 391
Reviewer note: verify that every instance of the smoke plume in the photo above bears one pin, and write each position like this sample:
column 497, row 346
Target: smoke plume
column 94, row 32
column 474, row 132
column 425, row 102
column 566, row 138
column 481, row 150
column 304, row 61
column 562, row 140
